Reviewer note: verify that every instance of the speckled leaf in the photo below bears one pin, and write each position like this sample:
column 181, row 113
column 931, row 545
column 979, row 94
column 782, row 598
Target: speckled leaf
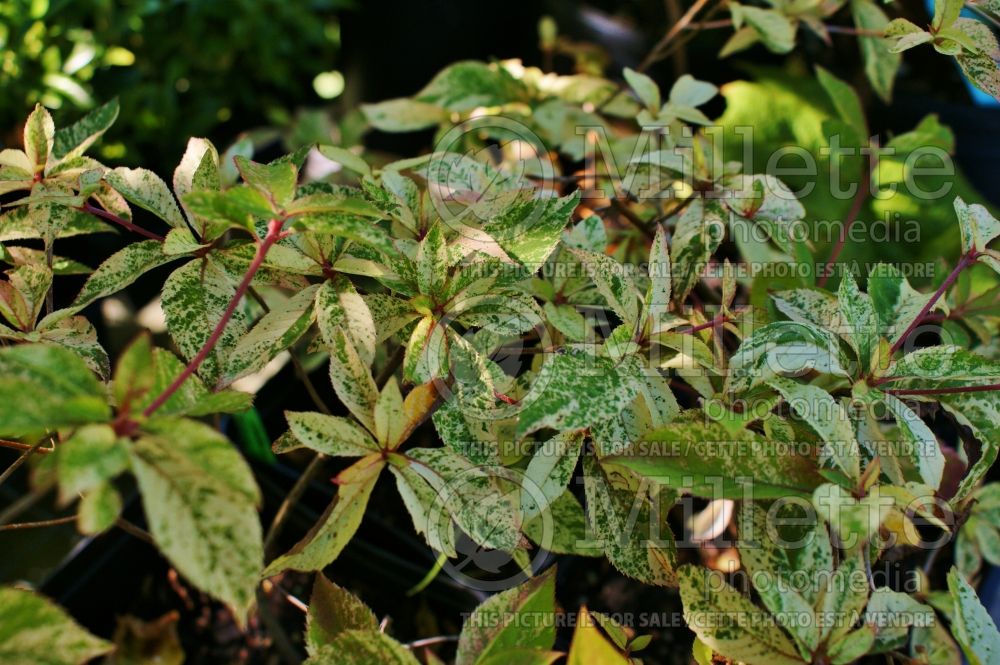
column 783, row 348
column 35, row 630
column 73, row 141
column 567, row 320
column 121, row 269
column 574, row 391
column 340, row 306
column 972, row 625
column 697, row 235
column 729, row 623
column 828, row 418
column 192, row 398
column 630, row 524
column 195, row 297
column 426, row 357
column 896, row 303
column 613, row 283
column 332, row 610
column 549, row 472
column 403, row 115
column 980, row 411
column 146, row 190
column 646, row 89
column 936, row 366
column 201, row 500
column 776, row 31
column 275, row 180
column 78, row 335
column 352, row 379
column 473, row 496
column 809, row 306
column 420, row 499
column 337, row 525
column 529, row 230
column 363, row 647
column 494, row 626
column 926, row 455
column 39, row 135
column 275, row 332
column 45, row 387
column 861, row 328
column 708, row 460
column 330, row 435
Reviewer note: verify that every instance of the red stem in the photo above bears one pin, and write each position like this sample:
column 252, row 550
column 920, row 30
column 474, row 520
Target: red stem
column 716, row 320
column 945, row 391
column 273, row 235
column 111, row 217
column 852, row 215
column 966, row 261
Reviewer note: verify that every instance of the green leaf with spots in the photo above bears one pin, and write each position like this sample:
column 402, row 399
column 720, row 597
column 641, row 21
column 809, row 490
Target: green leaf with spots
column 363, row 647
column 549, row 472
column 613, row 282
column 277, row 331
column 501, row 623
column 35, row 630
column 708, row 460
column 645, row 88
column 146, row 190
column 337, row 525
column 330, row 435
column 814, row 307
column 339, row 306
column 845, row 101
column 574, row 390
column 422, row 503
column 333, row 610
column 896, row 303
column 529, row 230
column 120, row 270
column 91, row 457
column 276, row 181
column 39, row 135
column 783, row 348
column 73, row 141
column 881, row 64
column 201, row 501
column 99, row 509
column 403, row 115
column 729, row 623
column 698, row 233
column 775, row 30
column 195, row 298
column 45, row 387
column 972, row 625
column 940, row 366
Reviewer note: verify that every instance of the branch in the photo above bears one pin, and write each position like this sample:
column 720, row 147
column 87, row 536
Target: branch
column 37, row 525
column 273, row 235
column 967, row 260
column 111, row 217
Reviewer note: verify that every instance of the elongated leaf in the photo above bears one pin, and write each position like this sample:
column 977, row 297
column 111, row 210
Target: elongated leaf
column 613, row 283
column 121, row 269
column 39, row 134
column 352, row 380
column 201, row 502
column 330, row 435
column 494, row 627
column 74, row 140
column 146, row 190
column 332, row 610
column 35, row 630
column 335, row 528
column 338, row 305
column 972, row 625
column 363, row 647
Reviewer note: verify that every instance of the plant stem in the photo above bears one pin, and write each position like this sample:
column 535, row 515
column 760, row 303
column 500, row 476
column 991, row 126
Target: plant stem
column 111, row 217
column 292, row 498
column 657, row 52
column 852, row 215
column 37, row 525
column 988, row 387
column 273, row 235
column 9, row 471
column 967, row 260
column 716, row 320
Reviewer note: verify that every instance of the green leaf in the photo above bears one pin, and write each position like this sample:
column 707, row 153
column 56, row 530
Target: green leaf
column 574, row 391
column 939, row 366
column 421, row 501
column 333, row 610
column 845, row 101
column 549, row 472
column 146, row 190
column 473, row 496
column 191, row 399
column 881, row 65
column 339, row 306
column 99, row 509
column 198, row 170
column 235, row 207
column 195, row 298
column 972, row 625
column 45, row 387
column 88, row 459
column 980, row 411
column 276, row 180
column 352, row 379
column 698, row 233
column 39, row 135
column 851, row 647
column 35, row 630
column 201, row 501
column 330, row 435
column 945, row 13
column 689, row 91
column 121, row 269
column 363, row 647
column 783, row 348
column 630, row 522
column 708, row 460
column 860, row 320
column 462, row 86
column 613, row 283
column 530, row 230
column 589, row 647
column 896, row 303
column 276, row 331
column 926, row 455
column 73, row 141
column 814, row 307
column 645, row 88
column 403, row 115
column 346, row 158
column 567, row 320
column 729, row 623
column 892, row 613
column 512, row 619
column 776, row 31
column 977, row 226
column 852, row 520
column 337, row 525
